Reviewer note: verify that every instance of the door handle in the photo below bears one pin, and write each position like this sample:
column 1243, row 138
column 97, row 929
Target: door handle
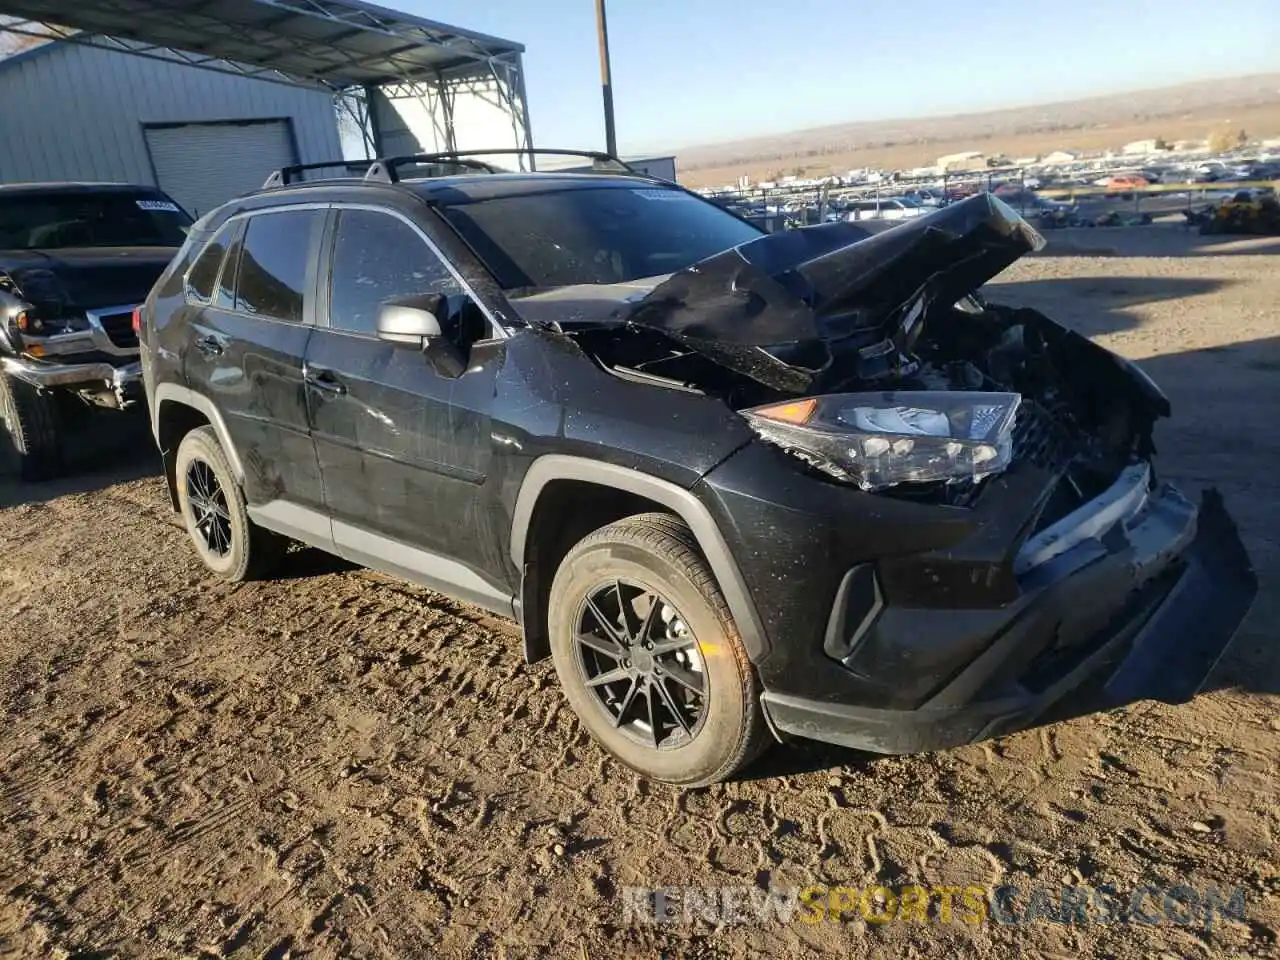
column 209, row 346
column 325, row 382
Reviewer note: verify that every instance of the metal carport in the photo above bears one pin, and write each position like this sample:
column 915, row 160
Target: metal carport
column 367, row 56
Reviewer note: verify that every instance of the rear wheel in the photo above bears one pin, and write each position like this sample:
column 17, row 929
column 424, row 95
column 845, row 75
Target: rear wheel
column 29, row 442
column 649, row 656
column 213, row 509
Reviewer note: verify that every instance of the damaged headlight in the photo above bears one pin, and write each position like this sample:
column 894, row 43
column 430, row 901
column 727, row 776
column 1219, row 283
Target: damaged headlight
column 877, row 440
column 48, row 312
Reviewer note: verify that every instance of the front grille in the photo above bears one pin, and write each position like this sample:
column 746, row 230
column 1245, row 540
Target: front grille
column 1038, row 438
column 119, row 328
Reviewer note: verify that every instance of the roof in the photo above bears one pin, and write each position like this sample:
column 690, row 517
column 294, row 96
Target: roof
column 336, row 44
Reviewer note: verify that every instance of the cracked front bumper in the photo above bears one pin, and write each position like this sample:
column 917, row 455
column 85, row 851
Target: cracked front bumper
column 1142, row 610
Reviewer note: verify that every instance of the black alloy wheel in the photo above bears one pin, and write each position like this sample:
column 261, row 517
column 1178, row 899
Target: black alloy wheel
column 641, row 660
column 649, row 656
column 210, row 515
column 215, row 514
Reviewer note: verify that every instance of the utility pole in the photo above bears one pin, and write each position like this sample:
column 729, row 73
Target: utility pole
column 606, row 80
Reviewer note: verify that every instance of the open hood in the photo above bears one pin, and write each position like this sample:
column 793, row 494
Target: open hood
column 771, row 308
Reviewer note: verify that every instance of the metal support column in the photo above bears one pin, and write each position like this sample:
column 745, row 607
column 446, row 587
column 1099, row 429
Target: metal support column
column 375, row 124
column 606, row 81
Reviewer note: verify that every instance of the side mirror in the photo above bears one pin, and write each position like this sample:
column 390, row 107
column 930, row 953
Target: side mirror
column 411, row 320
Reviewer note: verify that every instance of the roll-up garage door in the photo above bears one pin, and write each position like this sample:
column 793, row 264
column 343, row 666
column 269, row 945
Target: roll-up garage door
column 204, row 164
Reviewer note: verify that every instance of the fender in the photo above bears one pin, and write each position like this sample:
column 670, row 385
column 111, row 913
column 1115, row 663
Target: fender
column 176, row 393
column 680, row 501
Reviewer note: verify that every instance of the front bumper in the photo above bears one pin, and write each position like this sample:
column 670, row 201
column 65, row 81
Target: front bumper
column 1142, row 610
column 124, row 381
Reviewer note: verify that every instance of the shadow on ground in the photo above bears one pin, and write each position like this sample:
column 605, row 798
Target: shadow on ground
column 302, row 562
column 1097, row 305
column 1153, row 240
column 107, row 448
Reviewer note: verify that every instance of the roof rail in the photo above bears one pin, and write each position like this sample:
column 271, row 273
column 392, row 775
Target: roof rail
column 387, row 170
column 291, row 174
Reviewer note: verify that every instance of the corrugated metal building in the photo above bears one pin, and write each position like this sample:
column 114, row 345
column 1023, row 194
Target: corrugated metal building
column 75, row 112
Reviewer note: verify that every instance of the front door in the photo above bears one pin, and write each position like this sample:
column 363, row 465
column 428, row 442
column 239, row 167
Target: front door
column 404, row 450
column 250, row 335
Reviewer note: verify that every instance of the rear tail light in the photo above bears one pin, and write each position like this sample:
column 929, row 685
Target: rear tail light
column 137, row 320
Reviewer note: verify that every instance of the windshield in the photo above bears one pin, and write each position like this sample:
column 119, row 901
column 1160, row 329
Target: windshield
column 594, row 234
column 51, row 221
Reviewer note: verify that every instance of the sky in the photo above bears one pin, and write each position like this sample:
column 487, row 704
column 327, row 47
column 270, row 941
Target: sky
column 701, row 71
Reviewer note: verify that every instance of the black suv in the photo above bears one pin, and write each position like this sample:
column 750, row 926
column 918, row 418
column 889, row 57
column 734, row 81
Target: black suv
column 76, row 260
column 737, row 485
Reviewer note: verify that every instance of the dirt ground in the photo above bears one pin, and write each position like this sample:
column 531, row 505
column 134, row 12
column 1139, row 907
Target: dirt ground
column 333, row 764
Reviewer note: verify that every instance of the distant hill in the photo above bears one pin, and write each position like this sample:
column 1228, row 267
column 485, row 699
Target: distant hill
column 1188, row 110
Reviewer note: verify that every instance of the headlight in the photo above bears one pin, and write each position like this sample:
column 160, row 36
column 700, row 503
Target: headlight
column 877, row 440
column 33, row 325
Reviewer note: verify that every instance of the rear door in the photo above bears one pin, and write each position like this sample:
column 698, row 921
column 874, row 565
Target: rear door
column 404, row 451
column 248, row 342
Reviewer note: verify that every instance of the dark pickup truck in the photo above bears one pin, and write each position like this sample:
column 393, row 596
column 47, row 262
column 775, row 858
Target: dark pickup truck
column 76, row 259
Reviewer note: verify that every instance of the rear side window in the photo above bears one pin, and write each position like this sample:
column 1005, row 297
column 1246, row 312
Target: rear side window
column 377, row 257
column 204, row 272
column 272, row 272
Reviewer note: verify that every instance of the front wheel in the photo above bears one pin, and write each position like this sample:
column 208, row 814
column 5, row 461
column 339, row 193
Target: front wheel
column 29, row 435
column 649, row 656
column 213, row 509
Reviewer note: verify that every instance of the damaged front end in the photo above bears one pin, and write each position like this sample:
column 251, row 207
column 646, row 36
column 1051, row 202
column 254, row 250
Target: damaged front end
column 1021, row 450
column 911, row 385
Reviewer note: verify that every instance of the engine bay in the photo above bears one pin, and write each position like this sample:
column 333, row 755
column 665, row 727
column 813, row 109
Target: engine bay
column 1086, row 414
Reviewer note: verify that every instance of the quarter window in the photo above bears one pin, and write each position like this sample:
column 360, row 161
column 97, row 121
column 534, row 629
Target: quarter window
column 377, row 257
column 225, row 294
column 272, row 270
column 204, row 272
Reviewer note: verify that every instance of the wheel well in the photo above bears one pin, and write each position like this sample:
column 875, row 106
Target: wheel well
column 173, row 422
column 566, row 511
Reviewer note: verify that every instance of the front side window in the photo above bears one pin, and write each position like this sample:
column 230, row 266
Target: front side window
column 376, row 258
column 605, row 234
column 272, row 272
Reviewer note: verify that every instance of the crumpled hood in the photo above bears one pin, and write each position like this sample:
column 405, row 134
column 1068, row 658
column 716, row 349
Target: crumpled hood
column 771, row 307
column 85, row 278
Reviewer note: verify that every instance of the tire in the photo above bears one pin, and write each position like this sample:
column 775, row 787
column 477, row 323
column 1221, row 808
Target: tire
column 29, row 421
column 213, row 510
column 720, row 730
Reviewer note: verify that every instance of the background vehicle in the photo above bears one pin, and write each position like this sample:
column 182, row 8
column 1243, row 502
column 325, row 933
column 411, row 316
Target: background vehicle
column 1127, row 182
column 719, row 514
column 884, row 208
column 75, row 261
column 1246, row 212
